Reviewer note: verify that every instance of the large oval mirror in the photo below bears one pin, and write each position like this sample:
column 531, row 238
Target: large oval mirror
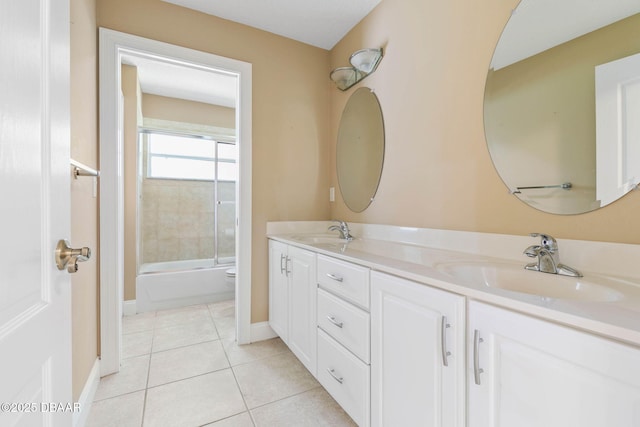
column 360, row 149
column 562, row 102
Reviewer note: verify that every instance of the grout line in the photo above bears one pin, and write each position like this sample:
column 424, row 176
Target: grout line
column 146, row 389
column 242, row 395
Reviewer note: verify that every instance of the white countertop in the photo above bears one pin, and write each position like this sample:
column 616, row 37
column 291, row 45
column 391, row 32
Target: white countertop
column 619, row 319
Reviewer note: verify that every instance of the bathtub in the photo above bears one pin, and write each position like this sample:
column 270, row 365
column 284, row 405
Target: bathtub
column 175, row 284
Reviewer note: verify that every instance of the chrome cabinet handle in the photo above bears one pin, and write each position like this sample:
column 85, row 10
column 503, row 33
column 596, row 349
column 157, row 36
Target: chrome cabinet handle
column 334, row 321
column 443, row 340
column 286, row 265
column 282, row 268
column 335, row 377
column 334, row 277
column 476, row 356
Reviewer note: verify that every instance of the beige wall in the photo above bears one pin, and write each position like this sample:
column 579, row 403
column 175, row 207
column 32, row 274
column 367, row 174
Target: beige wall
column 131, row 104
column 290, row 116
column 84, row 207
column 181, row 110
column 437, row 170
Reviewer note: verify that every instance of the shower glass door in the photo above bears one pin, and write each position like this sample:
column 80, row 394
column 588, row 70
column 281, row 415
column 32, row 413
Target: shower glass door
column 186, row 201
column 225, row 212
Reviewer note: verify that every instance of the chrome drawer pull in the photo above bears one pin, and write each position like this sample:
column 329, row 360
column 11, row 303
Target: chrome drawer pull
column 335, row 377
column 334, row 321
column 282, row 267
column 476, row 356
column 334, row 277
column 443, row 339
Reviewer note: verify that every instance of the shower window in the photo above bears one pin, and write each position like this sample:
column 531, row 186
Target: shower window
column 187, row 199
column 182, row 157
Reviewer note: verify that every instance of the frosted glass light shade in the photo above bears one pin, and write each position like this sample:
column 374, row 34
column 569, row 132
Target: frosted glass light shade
column 366, row 60
column 345, row 77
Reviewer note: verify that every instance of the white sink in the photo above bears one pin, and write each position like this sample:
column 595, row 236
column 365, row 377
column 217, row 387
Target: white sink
column 513, row 277
column 318, row 239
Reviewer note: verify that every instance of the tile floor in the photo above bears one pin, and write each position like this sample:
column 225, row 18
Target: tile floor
column 182, row 367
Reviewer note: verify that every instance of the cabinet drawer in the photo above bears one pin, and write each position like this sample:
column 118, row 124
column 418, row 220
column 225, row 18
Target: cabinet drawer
column 345, row 377
column 346, row 323
column 345, row 279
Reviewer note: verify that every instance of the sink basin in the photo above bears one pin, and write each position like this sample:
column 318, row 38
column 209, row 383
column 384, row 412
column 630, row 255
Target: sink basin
column 513, row 277
column 319, row 239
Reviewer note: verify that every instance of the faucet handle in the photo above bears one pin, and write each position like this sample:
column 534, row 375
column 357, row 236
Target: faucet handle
column 546, row 241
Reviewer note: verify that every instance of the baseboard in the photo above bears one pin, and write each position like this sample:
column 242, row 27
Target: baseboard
column 87, row 395
column 129, row 308
column 261, row 331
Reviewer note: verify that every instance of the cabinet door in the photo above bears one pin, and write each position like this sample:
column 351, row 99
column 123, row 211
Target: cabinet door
column 410, row 384
column 278, row 290
column 302, row 306
column 536, row 373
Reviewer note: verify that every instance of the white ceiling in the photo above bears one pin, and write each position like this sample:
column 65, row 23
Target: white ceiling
column 158, row 77
column 321, row 23
column 536, row 26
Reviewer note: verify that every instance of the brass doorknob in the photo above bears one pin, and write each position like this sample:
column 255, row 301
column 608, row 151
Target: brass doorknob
column 69, row 257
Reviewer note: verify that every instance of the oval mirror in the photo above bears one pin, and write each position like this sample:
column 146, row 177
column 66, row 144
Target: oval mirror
column 562, row 100
column 360, row 149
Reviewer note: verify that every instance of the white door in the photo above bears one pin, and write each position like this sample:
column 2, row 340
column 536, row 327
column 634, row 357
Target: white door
column 302, row 307
column 35, row 298
column 535, row 373
column 417, row 355
column 617, row 128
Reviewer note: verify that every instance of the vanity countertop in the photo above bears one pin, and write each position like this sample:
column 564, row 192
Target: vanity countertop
column 617, row 319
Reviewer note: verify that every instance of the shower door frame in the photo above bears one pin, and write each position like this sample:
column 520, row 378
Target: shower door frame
column 144, row 170
column 112, row 46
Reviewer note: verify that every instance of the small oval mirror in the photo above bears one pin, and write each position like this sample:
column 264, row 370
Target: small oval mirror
column 360, row 149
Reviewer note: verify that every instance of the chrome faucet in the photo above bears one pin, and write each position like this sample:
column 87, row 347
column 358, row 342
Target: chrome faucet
column 548, row 256
column 343, row 229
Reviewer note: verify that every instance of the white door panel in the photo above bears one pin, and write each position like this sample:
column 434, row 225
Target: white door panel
column 536, row 373
column 617, row 128
column 35, row 323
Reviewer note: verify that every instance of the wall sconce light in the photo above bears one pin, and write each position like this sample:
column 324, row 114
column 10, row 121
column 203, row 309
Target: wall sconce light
column 364, row 62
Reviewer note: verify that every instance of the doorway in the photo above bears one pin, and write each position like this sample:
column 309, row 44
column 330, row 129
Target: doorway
column 114, row 46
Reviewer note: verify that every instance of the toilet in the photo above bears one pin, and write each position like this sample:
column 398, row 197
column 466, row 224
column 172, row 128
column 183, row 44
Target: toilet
column 230, row 277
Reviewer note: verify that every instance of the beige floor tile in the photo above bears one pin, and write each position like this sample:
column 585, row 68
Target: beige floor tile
column 136, row 344
column 310, row 409
column 226, row 326
column 139, row 322
column 273, row 378
column 185, row 362
column 183, row 315
column 121, row 411
column 239, row 354
column 132, row 377
column 183, row 335
column 223, row 309
column 240, row 420
column 194, row 401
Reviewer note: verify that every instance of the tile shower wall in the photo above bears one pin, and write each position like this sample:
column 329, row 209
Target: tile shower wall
column 178, row 221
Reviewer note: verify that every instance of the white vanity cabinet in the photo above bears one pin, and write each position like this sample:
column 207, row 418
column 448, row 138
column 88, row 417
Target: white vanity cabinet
column 343, row 335
column 528, row 372
column 417, row 354
column 292, row 300
column 279, row 289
